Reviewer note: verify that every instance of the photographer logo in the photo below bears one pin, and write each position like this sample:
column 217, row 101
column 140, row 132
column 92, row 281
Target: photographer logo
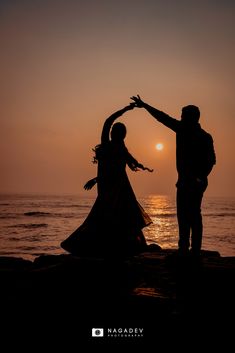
column 119, row 332
column 97, row 332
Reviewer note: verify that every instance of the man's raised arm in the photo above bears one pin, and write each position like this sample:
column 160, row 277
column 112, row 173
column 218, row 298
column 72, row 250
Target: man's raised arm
column 157, row 114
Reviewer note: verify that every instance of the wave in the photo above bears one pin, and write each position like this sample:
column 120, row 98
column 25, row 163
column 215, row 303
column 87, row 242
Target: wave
column 169, row 215
column 162, row 215
column 219, row 214
column 37, row 214
column 78, row 206
column 29, row 225
column 8, row 216
column 84, row 214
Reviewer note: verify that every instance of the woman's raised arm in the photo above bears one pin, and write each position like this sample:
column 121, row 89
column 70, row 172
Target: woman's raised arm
column 109, row 121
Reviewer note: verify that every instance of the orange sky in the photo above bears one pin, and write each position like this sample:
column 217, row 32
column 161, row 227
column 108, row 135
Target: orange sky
column 65, row 66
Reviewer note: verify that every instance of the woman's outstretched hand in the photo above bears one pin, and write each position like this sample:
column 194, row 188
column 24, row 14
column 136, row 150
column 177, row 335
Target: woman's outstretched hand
column 89, row 185
column 137, row 101
column 130, row 106
column 149, row 170
column 144, row 168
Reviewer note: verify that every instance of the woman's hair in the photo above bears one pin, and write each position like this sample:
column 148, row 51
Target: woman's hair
column 98, row 152
column 118, row 132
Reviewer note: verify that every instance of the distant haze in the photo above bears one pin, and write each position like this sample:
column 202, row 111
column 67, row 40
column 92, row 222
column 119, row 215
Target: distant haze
column 66, row 65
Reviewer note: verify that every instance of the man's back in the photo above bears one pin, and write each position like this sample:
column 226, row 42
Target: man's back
column 195, row 154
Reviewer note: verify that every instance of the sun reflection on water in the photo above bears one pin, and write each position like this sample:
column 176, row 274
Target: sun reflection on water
column 163, row 230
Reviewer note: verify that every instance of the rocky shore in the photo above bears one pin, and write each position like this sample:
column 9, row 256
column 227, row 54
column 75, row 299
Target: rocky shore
column 158, row 291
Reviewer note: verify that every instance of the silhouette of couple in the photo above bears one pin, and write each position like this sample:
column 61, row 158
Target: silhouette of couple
column 114, row 225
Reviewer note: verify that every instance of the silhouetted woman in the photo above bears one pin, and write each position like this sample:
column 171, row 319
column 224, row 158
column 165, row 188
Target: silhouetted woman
column 114, row 225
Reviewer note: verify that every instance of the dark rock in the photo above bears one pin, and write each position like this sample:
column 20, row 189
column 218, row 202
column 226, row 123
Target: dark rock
column 14, row 263
column 157, row 290
column 50, row 260
column 153, row 247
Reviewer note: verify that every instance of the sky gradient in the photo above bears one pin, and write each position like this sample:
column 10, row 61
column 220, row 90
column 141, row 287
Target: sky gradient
column 66, row 65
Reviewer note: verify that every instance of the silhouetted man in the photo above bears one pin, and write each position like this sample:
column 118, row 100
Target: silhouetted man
column 195, row 157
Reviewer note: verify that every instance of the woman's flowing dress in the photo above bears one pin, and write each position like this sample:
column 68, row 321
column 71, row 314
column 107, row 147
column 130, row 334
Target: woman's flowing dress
column 114, row 224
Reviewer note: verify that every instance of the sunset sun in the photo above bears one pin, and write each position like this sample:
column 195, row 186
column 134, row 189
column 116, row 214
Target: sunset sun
column 159, row 146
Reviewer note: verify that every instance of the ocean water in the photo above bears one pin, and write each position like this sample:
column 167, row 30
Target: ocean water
column 33, row 225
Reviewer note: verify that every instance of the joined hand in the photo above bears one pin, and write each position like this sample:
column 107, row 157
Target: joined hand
column 137, row 101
